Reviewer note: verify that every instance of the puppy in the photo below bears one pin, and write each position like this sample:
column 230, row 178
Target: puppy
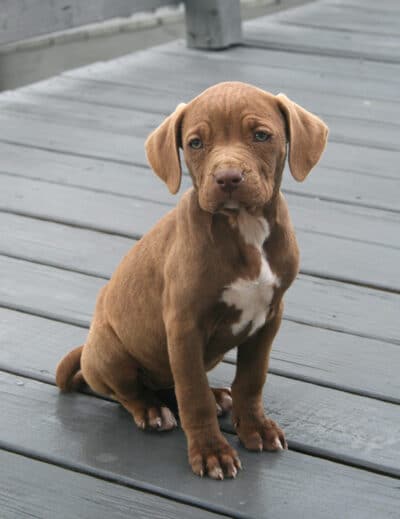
column 209, row 277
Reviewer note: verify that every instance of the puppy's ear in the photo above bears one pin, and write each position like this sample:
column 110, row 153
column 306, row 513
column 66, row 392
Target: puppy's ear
column 162, row 149
column 307, row 136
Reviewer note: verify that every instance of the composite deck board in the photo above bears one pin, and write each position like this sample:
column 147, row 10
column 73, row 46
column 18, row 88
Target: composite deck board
column 105, row 442
column 377, row 189
column 308, row 353
column 31, row 488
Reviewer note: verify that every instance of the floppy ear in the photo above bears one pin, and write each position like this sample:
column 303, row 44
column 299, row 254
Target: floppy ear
column 162, row 149
column 307, row 136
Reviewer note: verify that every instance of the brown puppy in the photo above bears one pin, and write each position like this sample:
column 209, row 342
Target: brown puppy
column 208, row 277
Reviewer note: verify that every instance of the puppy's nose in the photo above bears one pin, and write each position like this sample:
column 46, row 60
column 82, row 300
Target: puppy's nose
column 229, row 179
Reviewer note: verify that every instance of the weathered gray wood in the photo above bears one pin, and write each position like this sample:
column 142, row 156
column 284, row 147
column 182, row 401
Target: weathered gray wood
column 267, row 59
column 26, row 108
column 348, row 434
column 21, row 20
column 103, row 93
column 325, row 14
column 213, row 24
column 31, row 488
column 134, row 216
column 330, row 247
column 302, row 352
column 72, row 139
column 122, row 120
column 70, row 297
column 105, row 442
column 193, row 75
column 98, row 254
column 297, row 405
column 100, row 211
column 81, row 250
column 379, row 47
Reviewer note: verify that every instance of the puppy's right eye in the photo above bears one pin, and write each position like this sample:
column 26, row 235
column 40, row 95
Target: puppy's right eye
column 196, row 144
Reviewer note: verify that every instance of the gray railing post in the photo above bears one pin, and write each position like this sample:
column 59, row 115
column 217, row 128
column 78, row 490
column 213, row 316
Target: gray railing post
column 213, row 24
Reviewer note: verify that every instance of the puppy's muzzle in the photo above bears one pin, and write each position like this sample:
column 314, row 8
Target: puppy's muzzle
column 228, row 180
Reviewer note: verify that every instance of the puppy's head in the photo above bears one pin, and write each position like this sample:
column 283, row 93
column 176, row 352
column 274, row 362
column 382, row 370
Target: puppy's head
column 234, row 138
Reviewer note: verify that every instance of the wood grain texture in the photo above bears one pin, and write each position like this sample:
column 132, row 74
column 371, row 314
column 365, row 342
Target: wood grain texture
column 303, row 352
column 70, row 296
column 317, row 420
column 98, row 253
column 31, row 488
column 330, row 246
column 356, row 45
column 193, row 75
column 106, row 443
column 327, row 14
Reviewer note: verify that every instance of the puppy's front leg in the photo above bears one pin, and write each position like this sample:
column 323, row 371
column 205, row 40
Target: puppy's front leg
column 255, row 430
column 209, row 452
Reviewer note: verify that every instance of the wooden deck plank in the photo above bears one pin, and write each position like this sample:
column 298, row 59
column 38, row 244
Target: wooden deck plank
column 70, row 108
column 70, row 296
column 362, row 133
column 327, row 14
column 330, row 247
column 317, row 419
column 377, row 189
column 107, row 443
column 323, row 41
column 133, row 216
column 136, row 97
column 31, row 488
column 97, row 253
column 192, row 75
column 312, row 354
column 327, row 66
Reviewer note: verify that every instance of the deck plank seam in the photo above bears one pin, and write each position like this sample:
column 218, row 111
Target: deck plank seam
column 296, row 446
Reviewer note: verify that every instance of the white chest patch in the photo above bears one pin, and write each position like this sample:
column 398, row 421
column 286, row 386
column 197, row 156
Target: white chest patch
column 252, row 297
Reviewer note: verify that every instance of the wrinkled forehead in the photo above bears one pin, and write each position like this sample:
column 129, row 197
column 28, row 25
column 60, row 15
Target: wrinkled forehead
column 230, row 106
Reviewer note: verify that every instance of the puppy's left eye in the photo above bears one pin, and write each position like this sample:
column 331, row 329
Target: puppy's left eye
column 262, row 136
column 196, row 144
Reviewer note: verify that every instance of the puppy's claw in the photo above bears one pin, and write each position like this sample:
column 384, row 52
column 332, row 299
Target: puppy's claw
column 276, row 444
column 216, row 473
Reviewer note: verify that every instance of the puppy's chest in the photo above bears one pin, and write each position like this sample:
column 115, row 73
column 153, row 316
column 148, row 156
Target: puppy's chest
column 252, row 295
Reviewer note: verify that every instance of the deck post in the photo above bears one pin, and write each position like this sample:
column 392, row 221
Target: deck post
column 213, row 24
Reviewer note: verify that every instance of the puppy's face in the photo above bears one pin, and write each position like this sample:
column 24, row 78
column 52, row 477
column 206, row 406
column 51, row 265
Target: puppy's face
column 234, row 138
column 234, row 142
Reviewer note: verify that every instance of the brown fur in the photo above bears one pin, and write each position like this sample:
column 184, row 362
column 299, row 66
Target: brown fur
column 160, row 322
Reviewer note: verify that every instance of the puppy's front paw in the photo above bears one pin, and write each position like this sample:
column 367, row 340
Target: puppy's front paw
column 259, row 434
column 214, row 457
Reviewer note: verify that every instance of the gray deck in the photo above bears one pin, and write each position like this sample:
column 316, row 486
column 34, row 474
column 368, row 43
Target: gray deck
column 75, row 193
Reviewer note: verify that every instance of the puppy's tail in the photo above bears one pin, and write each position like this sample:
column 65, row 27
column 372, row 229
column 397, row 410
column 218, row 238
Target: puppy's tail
column 68, row 373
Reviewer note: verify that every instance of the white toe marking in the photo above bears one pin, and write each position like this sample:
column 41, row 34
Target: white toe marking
column 254, row 296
